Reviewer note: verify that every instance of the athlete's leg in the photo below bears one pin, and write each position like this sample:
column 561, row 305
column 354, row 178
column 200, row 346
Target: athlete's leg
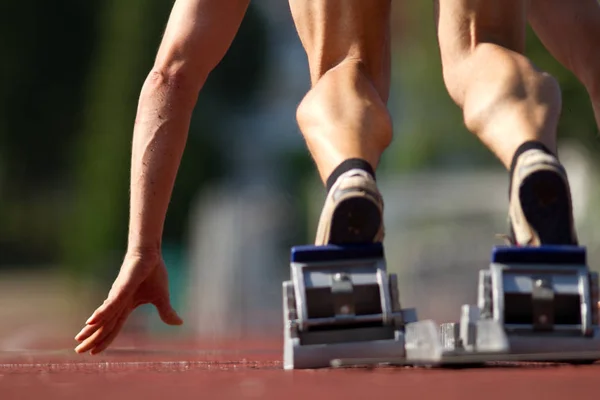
column 344, row 115
column 505, row 100
column 512, row 107
column 570, row 30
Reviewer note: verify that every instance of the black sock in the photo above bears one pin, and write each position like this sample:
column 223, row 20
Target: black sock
column 530, row 145
column 347, row 165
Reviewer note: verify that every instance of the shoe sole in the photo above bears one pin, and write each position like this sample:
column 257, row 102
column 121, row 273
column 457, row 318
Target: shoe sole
column 544, row 197
column 355, row 220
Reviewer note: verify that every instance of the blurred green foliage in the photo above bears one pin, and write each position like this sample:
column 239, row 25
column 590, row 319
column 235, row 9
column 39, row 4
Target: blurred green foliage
column 46, row 52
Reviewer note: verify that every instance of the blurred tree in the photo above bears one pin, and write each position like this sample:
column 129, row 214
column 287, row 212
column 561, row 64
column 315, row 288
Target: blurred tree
column 45, row 52
column 101, row 151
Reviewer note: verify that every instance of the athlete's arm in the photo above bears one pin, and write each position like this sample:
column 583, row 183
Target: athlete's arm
column 197, row 36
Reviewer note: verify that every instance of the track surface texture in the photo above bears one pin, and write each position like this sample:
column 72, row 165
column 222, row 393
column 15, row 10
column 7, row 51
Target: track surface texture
column 252, row 369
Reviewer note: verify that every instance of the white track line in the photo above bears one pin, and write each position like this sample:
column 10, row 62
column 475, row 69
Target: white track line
column 130, row 365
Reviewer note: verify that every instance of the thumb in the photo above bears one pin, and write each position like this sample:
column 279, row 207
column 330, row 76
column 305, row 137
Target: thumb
column 167, row 313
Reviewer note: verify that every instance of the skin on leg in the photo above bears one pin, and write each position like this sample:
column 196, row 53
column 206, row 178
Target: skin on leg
column 197, row 36
column 344, row 115
column 570, row 30
column 505, row 100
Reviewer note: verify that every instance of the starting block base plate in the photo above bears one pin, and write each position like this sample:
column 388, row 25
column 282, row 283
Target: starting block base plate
column 321, row 355
column 450, row 359
column 520, row 349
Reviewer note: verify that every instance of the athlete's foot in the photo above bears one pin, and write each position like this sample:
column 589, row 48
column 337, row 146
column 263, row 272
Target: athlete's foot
column 540, row 210
column 353, row 211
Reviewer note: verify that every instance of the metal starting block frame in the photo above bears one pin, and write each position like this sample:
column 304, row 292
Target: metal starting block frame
column 534, row 304
column 342, row 303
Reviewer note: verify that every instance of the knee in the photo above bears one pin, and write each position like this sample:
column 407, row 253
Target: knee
column 346, row 96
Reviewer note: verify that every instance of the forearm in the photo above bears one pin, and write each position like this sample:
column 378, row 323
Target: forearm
column 159, row 138
column 198, row 34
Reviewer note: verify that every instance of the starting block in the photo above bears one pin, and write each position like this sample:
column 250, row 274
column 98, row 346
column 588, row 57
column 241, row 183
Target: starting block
column 342, row 303
column 534, row 304
column 342, row 308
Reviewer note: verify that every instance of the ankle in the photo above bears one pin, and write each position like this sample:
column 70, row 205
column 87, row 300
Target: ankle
column 347, row 165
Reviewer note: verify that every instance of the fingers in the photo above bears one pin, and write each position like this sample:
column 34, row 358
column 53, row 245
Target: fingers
column 96, row 337
column 106, row 311
column 166, row 312
column 113, row 305
column 111, row 328
column 101, row 321
column 88, row 343
column 86, row 332
column 128, row 281
column 106, row 340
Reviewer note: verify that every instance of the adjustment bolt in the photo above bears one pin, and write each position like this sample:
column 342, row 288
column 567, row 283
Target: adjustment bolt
column 539, row 283
column 340, row 276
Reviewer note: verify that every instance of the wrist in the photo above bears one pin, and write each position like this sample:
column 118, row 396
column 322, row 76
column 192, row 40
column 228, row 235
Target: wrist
column 143, row 247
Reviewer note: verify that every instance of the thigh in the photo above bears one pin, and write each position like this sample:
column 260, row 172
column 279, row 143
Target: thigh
column 333, row 31
column 570, row 30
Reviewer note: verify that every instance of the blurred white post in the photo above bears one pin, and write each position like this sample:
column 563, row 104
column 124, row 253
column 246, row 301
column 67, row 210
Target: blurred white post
column 235, row 261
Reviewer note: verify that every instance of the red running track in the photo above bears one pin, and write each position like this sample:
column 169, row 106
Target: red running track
column 253, row 370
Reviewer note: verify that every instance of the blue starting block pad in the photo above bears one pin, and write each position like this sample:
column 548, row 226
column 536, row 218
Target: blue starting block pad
column 312, row 253
column 550, row 255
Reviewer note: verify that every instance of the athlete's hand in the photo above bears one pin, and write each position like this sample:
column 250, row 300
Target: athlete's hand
column 141, row 280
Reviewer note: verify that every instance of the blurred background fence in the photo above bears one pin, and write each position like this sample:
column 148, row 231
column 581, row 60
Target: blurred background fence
column 247, row 189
